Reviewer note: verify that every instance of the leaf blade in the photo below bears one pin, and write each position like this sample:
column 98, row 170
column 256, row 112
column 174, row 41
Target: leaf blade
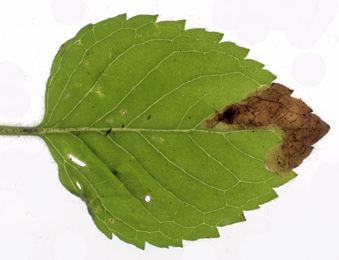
column 134, row 116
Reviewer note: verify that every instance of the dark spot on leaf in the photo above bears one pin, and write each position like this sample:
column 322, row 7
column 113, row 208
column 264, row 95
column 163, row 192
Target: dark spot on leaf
column 230, row 115
column 149, row 117
column 108, row 131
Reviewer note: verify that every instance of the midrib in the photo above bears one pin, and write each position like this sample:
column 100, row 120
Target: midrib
column 21, row 130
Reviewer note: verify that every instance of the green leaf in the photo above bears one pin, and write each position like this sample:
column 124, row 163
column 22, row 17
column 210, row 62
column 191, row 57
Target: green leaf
column 124, row 112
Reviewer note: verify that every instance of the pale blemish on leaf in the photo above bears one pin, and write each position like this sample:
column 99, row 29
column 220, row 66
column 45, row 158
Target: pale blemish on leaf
column 78, row 185
column 99, row 208
column 76, row 160
column 110, row 120
column 99, row 92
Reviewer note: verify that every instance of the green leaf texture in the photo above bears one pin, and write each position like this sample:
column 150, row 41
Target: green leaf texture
column 126, row 98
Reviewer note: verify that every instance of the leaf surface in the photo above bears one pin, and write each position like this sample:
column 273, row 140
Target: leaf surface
column 127, row 98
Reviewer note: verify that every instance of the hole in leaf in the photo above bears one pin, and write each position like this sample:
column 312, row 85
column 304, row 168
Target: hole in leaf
column 78, row 185
column 76, row 160
column 148, row 198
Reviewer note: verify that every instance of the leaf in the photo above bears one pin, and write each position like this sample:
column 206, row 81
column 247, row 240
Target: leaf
column 127, row 108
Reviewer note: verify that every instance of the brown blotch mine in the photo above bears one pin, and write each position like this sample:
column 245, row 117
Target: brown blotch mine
column 270, row 108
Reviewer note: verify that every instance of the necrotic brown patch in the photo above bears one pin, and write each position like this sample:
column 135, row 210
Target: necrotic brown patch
column 274, row 107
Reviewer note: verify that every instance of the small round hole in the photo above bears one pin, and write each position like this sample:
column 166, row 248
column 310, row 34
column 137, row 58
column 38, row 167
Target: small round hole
column 148, row 198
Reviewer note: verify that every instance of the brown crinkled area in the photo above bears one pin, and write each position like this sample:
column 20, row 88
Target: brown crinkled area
column 274, row 107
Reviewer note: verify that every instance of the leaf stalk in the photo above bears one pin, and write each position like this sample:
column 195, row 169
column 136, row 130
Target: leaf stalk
column 19, row 130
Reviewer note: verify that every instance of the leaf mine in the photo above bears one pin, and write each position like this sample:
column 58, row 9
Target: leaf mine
column 274, row 107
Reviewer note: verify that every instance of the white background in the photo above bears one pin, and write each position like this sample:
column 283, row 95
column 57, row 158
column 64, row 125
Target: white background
column 298, row 40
